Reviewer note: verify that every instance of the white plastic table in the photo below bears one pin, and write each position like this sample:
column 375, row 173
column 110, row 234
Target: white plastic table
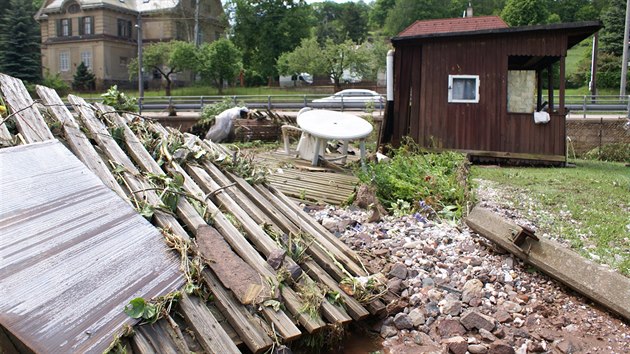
column 331, row 125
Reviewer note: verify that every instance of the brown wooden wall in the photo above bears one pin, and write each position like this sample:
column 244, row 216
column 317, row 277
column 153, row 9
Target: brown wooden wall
column 422, row 111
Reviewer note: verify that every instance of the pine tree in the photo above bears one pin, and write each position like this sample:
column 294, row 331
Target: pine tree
column 20, row 40
column 614, row 23
column 83, row 79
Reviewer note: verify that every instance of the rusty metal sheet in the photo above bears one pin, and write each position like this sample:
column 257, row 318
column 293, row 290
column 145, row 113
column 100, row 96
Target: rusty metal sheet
column 72, row 253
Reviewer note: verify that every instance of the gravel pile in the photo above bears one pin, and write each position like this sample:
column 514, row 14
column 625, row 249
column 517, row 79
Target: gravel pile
column 455, row 292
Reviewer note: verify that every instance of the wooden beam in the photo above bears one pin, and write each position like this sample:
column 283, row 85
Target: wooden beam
column 76, row 139
column 561, row 107
column 505, row 154
column 208, row 331
column 250, row 329
column 28, row 120
column 598, row 283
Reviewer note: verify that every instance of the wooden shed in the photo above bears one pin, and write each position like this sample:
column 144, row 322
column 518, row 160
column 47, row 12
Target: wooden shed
column 473, row 85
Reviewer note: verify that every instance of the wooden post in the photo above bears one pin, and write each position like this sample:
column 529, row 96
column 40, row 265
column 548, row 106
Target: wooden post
column 598, row 283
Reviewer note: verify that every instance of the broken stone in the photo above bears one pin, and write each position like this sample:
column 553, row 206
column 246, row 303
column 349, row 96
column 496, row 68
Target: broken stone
column 276, row 257
column 366, row 199
column 472, row 289
column 417, row 317
column 402, row 321
column 567, row 347
column 501, row 348
column 511, row 307
column 477, row 349
column 394, row 285
column 432, row 309
column 456, row 345
column 295, row 271
column 485, row 334
column 450, row 306
column 388, row 331
column 502, row 316
column 381, row 252
column 449, row 328
column 399, row 271
column 477, row 320
column 536, row 347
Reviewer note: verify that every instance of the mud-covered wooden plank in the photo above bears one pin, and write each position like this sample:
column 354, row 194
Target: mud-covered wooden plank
column 236, row 275
column 208, row 331
column 598, row 283
column 76, row 139
column 29, row 121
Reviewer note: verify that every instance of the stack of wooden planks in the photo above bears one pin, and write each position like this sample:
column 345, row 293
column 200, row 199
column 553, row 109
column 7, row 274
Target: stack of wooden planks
column 268, row 241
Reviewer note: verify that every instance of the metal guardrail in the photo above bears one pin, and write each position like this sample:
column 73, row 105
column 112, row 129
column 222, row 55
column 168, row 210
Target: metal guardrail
column 271, row 102
column 597, row 104
column 575, row 103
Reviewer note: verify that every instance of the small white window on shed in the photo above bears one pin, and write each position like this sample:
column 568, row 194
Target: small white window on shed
column 463, row 88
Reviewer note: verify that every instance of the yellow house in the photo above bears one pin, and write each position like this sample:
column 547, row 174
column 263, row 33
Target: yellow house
column 103, row 34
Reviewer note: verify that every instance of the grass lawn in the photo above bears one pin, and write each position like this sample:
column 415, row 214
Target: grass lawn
column 589, row 205
column 212, row 91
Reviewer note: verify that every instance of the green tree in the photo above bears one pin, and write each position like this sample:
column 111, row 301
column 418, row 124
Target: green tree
column 341, row 21
column 331, row 59
column 19, row 37
column 378, row 13
column 167, row 58
column 84, row 79
column 614, row 17
column 525, row 12
column 264, row 29
column 220, row 61
column 406, row 12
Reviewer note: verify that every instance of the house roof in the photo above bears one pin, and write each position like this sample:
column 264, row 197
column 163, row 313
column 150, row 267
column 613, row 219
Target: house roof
column 576, row 32
column 129, row 5
column 452, row 25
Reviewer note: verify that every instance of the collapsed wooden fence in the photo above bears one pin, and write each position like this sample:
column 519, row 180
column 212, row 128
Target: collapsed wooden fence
column 256, row 222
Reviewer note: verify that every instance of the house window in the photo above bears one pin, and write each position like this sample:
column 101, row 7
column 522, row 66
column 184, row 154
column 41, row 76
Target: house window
column 86, row 58
column 64, row 61
column 521, row 91
column 64, row 27
column 86, row 25
column 74, row 8
column 124, row 28
column 463, row 88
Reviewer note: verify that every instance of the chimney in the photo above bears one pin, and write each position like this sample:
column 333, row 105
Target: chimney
column 469, row 10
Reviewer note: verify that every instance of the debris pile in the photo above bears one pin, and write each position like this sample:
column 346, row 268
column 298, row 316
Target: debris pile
column 456, row 292
column 292, row 269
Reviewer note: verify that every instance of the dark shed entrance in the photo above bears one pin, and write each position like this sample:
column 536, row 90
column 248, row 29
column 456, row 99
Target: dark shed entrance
column 473, row 84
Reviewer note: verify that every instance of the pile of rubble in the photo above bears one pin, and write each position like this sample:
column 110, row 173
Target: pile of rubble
column 457, row 293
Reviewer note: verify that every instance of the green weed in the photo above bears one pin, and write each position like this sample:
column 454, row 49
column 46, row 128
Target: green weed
column 588, row 206
column 416, row 181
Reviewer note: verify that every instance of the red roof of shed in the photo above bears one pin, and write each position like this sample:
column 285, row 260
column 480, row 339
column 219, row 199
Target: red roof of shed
column 452, row 25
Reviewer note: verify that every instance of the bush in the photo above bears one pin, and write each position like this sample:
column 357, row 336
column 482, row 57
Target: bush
column 55, row 82
column 254, row 79
column 416, row 181
column 611, row 152
column 119, row 100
